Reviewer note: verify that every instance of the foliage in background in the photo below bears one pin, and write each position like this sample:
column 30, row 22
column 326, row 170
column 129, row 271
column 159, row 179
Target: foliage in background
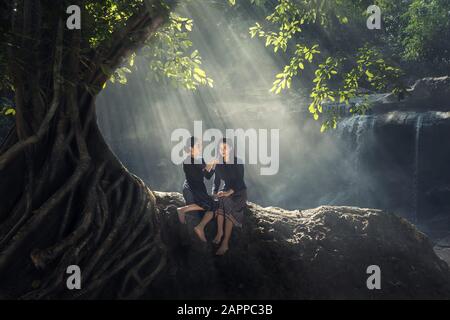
column 5, row 82
column 171, row 55
column 420, row 29
column 7, row 107
column 322, row 41
column 337, row 76
column 105, row 17
column 169, row 52
column 7, row 110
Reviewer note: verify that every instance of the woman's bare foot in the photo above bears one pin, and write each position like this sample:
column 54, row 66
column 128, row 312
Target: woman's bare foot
column 181, row 216
column 200, row 233
column 218, row 238
column 222, row 250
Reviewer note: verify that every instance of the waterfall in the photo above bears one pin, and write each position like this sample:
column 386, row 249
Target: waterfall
column 359, row 133
column 396, row 161
column 416, row 181
column 360, row 130
column 361, row 127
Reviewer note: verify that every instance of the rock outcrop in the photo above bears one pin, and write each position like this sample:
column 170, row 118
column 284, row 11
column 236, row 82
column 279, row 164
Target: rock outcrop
column 427, row 94
column 318, row 253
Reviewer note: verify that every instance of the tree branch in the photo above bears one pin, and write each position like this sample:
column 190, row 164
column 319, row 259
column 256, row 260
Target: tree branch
column 110, row 55
column 12, row 152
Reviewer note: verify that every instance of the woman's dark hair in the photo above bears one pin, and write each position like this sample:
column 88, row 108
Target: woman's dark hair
column 190, row 143
column 229, row 143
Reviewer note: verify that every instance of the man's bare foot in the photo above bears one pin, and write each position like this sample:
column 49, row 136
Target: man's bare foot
column 181, row 216
column 218, row 238
column 200, row 233
column 222, row 250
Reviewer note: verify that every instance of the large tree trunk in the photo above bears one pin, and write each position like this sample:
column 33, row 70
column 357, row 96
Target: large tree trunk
column 69, row 201
column 65, row 198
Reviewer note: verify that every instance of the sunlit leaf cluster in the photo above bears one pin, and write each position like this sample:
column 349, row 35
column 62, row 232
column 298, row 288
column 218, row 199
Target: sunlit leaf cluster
column 288, row 18
column 336, row 78
column 297, row 63
column 7, row 107
column 171, row 55
column 334, row 84
column 104, row 17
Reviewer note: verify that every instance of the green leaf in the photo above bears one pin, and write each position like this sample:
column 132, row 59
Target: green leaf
column 200, row 72
column 278, row 90
column 196, row 77
column 10, row 111
column 343, row 20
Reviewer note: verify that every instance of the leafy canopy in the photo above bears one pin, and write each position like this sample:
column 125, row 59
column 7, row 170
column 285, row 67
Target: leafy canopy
column 337, row 76
column 414, row 31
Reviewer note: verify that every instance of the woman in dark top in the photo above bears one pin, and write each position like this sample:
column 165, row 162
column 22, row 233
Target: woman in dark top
column 194, row 189
column 232, row 196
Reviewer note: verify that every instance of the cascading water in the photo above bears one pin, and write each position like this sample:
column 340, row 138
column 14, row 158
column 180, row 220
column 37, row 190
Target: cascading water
column 362, row 126
column 360, row 132
column 416, row 177
column 397, row 161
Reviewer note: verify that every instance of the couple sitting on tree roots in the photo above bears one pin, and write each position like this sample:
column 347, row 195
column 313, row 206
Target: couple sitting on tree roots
column 227, row 203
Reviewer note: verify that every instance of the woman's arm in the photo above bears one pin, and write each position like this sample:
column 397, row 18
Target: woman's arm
column 225, row 193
